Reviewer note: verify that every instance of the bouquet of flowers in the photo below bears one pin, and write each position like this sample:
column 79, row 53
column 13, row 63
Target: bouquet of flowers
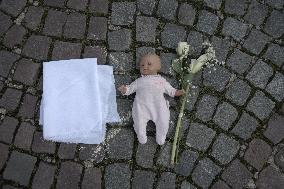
column 185, row 72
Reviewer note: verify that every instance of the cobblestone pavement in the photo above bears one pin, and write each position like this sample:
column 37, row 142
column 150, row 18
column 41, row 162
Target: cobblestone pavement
column 234, row 127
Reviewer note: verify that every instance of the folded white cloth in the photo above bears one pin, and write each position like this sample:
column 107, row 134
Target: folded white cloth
column 78, row 98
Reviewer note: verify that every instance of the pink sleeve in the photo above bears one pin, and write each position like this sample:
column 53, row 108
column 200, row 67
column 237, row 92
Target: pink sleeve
column 131, row 88
column 169, row 90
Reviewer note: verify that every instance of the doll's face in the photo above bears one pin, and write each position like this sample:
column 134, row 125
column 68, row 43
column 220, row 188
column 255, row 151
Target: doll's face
column 150, row 64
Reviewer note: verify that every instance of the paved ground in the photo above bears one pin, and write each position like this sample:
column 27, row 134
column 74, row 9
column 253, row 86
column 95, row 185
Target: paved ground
column 233, row 134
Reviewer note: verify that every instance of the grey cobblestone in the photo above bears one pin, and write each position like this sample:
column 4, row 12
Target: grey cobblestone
column 167, row 9
column 235, row 7
column 214, row 4
column 167, row 181
column 256, row 13
column 99, row 6
column 19, row 168
column 275, row 53
column 33, row 17
column 77, row 4
column 216, row 77
column 120, row 143
column 66, row 151
column 143, row 179
column 54, row 3
column 5, row 22
column 41, row 43
column 10, row 99
column 275, row 130
column 92, row 152
column 13, row 7
column 123, row 13
column 220, row 185
column 14, row 36
column 43, row 178
column 205, row 172
column 239, row 61
column 4, row 155
column 98, row 52
column 234, row 28
column 97, row 28
column 42, row 146
column 257, row 153
column 236, row 175
column 276, row 87
column 256, row 41
column 195, row 40
column 166, row 60
column 225, row 115
column 6, row 62
column 260, row 105
column 221, row 47
column 207, row 22
column 28, row 108
column 279, row 158
column 24, row 136
column 69, row 175
column 199, row 136
column 146, row 29
column 245, row 126
column 225, row 148
column 187, row 185
column 75, row 26
column 270, row 177
column 172, row 34
column 65, row 50
column 89, row 181
column 186, row 162
column 121, row 61
column 206, row 107
column 54, row 23
column 146, row 6
column 119, row 40
column 186, row 14
column 164, row 158
column 274, row 24
column 27, row 71
column 275, row 3
column 117, row 176
column 260, row 74
column 238, row 92
column 7, row 129
column 145, row 153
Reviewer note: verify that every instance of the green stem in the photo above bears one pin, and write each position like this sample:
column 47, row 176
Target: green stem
column 178, row 125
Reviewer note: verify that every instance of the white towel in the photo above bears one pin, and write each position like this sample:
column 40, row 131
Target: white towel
column 79, row 97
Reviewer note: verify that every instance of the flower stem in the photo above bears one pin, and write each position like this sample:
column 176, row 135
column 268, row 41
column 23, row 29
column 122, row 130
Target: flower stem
column 174, row 149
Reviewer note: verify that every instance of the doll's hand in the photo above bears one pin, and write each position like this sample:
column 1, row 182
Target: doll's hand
column 180, row 92
column 122, row 89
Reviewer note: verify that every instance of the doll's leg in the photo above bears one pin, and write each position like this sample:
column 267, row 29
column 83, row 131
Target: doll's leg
column 140, row 129
column 162, row 127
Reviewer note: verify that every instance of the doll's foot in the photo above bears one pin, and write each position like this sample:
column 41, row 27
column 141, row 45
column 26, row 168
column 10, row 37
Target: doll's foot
column 142, row 140
column 160, row 142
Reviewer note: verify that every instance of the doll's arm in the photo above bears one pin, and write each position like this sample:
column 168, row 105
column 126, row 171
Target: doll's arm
column 128, row 89
column 169, row 90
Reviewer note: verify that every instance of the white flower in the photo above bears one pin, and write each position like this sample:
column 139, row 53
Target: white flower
column 182, row 49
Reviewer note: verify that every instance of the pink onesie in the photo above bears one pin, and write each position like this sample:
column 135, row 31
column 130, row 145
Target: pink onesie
column 150, row 104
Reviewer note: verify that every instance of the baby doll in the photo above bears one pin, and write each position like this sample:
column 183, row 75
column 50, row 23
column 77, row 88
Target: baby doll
column 149, row 102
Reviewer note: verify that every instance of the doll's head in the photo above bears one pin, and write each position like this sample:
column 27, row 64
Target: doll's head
column 150, row 64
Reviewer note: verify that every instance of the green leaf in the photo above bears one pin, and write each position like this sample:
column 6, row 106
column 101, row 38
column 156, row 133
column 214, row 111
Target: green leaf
column 176, row 65
column 188, row 77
